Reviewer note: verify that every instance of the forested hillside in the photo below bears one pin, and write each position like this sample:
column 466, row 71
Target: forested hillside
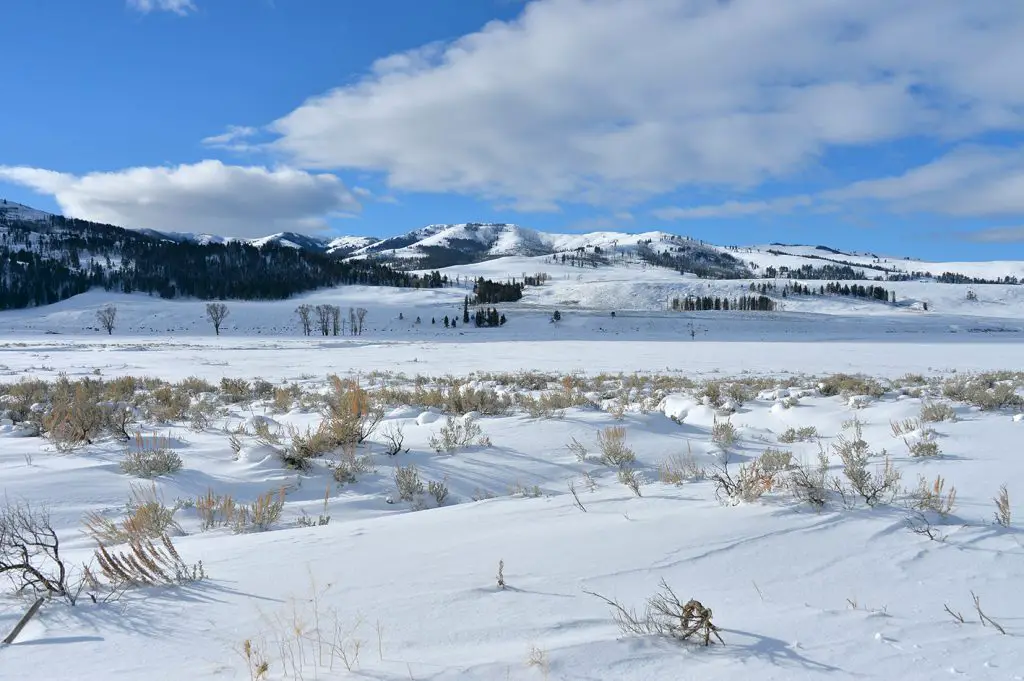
column 43, row 262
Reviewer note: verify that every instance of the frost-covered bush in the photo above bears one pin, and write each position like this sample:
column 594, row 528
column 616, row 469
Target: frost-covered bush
column 150, row 463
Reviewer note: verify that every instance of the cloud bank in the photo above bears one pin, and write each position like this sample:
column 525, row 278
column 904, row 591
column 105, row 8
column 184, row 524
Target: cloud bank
column 206, row 197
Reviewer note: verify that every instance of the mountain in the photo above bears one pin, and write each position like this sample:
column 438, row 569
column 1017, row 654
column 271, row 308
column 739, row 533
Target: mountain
column 45, row 258
column 10, row 210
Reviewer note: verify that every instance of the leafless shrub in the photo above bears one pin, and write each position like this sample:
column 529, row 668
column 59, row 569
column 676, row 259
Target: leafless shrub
column 501, row 574
column 394, row 438
column 578, row 450
column 576, row 497
column 667, row 616
column 983, row 618
column 614, row 450
column 810, row 484
column 1003, row 515
column 30, row 552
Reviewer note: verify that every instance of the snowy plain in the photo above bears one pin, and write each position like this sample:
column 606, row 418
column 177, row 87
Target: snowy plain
column 799, row 593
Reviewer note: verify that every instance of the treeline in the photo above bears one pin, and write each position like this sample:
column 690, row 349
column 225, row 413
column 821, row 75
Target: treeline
column 741, row 304
column 808, row 271
column 844, row 269
column 45, row 263
column 696, row 259
column 831, row 289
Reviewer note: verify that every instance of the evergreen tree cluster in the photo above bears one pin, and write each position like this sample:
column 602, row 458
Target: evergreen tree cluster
column 45, row 263
column 486, row 291
column 954, row 278
column 489, row 317
column 742, row 304
column 830, row 289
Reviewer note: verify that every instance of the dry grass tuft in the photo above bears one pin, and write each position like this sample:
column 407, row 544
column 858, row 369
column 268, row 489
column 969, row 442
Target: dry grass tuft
column 614, row 451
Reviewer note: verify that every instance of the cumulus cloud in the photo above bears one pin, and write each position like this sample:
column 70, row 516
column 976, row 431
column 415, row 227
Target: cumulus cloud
column 614, row 101
column 207, row 197
column 968, row 182
column 181, row 7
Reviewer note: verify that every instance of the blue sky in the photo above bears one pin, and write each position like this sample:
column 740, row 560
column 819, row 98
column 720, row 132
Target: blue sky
column 895, row 126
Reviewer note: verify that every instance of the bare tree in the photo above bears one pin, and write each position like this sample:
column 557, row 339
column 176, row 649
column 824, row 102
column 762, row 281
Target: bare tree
column 217, row 313
column 335, row 320
column 360, row 316
column 323, row 319
column 106, row 316
column 30, row 552
column 352, row 321
column 305, row 313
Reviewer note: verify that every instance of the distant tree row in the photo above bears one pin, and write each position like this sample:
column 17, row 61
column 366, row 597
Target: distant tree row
column 831, row 289
column 328, row 320
column 742, row 304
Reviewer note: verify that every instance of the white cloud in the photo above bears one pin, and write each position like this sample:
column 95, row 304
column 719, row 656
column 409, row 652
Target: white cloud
column 613, row 101
column 968, row 182
column 181, row 7
column 232, row 139
column 207, row 197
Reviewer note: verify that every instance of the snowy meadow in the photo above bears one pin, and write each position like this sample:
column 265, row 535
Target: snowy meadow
column 812, row 493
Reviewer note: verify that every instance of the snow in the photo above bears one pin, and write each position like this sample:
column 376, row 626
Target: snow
column 17, row 211
column 798, row 593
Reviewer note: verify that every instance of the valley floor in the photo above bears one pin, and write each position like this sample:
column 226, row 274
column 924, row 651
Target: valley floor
column 401, row 590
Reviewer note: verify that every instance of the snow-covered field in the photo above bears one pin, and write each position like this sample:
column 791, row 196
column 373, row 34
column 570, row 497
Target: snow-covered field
column 398, row 589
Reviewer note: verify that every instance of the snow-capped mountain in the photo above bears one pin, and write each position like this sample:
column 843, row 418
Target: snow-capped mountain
column 445, row 245
column 16, row 211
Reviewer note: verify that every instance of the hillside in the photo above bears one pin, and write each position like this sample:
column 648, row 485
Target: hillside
column 46, row 258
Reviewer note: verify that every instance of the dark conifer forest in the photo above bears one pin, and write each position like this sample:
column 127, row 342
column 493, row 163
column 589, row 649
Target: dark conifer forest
column 46, row 262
